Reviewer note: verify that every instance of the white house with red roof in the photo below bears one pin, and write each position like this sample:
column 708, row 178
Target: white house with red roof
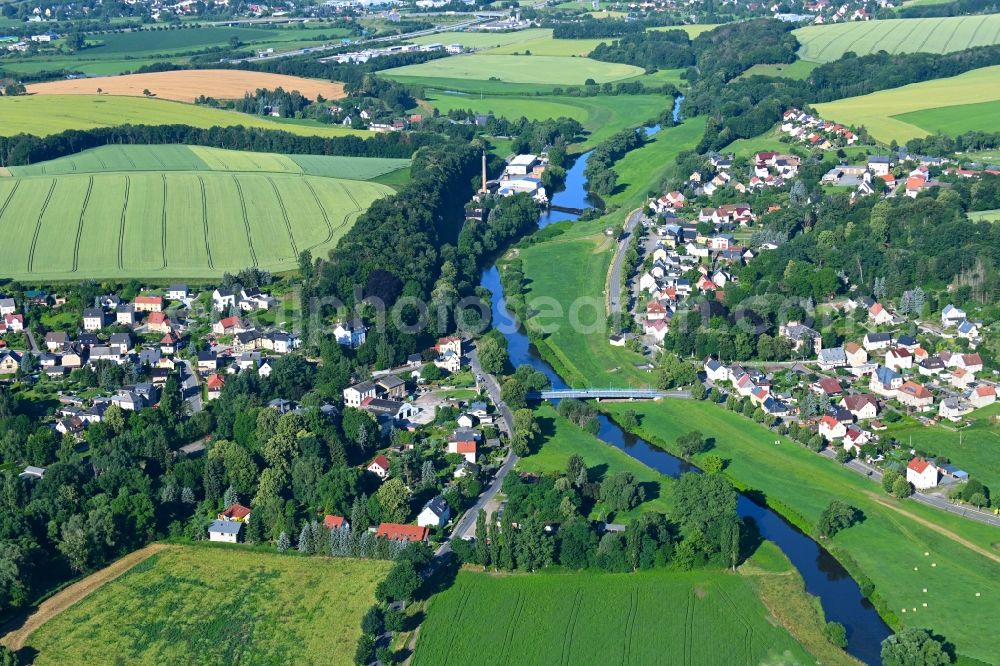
column 398, row 532
column 236, row 512
column 830, row 428
column 332, row 522
column 215, row 383
column 879, row 315
column 379, row 467
column 922, row 474
column 898, row 359
column 855, row 438
column 982, row 395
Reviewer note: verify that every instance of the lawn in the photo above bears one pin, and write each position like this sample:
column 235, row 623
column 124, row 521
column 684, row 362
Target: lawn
column 562, row 439
column 891, row 114
column 222, row 605
column 903, row 547
column 550, row 70
column 800, row 69
column 700, row 617
column 571, row 268
column 600, row 116
column 175, row 157
column 974, row 449
column 42, row 115
column 172, row 224
column 825, row 43
column 986, row 215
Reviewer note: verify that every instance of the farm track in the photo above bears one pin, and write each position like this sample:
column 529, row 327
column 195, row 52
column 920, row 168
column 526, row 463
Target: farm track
column 38, row 226
column 326, row 217
column 689, row 628
column 979, row 26
column 916, row 24
column 571, row 628
column 10, row 196
column 633, row 611
column 857, row 39
column 79, row 226
column 56, row 604
column 739, row 616
column 508, row 642
column 284, row 215
column 246, row 220
column 163, row 223
column 204, row 221
column 958, row 24
column 121, row 229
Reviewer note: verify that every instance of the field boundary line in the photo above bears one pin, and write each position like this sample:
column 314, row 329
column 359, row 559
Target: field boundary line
column 38, row 226
column 633, row 611
column 934, row 526
column 61, row 601
column 574, row 613
column 10, row 196
column 163, row 222
column 326, row 217
column 284, row 215
column 204, row 220
column 246, row 220
column 79, row 226
column 121, row 230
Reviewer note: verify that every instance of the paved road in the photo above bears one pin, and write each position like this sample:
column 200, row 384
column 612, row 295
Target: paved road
column 31, row 341
column 935, row 501
column 615, row 275
column 466, row 525
column 191, row 387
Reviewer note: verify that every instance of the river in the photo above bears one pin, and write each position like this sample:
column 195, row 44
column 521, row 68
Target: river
column 824, row 576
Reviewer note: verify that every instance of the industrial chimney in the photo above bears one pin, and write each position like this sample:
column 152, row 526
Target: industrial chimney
column 483, row 189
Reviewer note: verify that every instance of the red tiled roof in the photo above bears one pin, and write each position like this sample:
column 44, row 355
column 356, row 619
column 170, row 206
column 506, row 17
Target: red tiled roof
column 215, row 381
column 235, row 512
column 397, row 532
column 914, row 389
column 830, row 385
column 829, row 421
column 985, row 391
column 465, row 447
column 157, row 318
column 333, row 522
column 918, row 465
column 152, row 300
column 381, row 461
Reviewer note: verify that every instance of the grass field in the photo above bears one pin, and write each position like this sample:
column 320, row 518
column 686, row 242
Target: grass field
column 894, row 114
column 190, row 223
column 175, row 157
column 701, row 617
column 187, row 85
column 973, row 449
column 800, row 69
column 600, row 116
column 42, row 115
column 550, row 70
column 575, row 263
column 537, row 40
column 825, row 43
column 986, row 215
column 562, row 439
column 209, row 605
column 903, row 547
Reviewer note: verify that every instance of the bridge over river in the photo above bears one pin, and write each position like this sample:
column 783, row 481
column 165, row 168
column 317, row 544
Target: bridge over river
column 606, row 394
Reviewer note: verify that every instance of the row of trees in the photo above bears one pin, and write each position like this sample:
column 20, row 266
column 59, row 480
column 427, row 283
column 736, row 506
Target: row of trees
column 669, row 49
column 601, row 177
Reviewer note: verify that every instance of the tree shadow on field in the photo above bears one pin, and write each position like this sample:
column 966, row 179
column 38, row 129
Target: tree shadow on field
column 597, row 472
column 651, row 490
column 439, row 581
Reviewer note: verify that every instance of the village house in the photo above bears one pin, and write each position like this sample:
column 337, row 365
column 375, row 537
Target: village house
column 885, row 381
column 862, row 405
column 855, row 438
column 387, row 410
column 873, row 341
column 390, row 386
column 125, row 314
column 878, row 315
column 355, row 395
column 225, row 531
column 435, row 513
column 801, row 336
column 148, row 303
column 10, row 362
column 379, row 467
column 982, row 395
column 898, row 359
column 830, row 428
column 177, row 292
column 831, row 358
column 229, row 326
column 914, row 395
column 236, row 512
column 13, row 323
column 464, row 442
column 716, row 371
column 223, row 300
column 922, row 474
column 93, row 319
column 953, row 409
column 952, row 316
column 332, row 522
column 214, row 385
column 7, row 306
column 350, row 334
column 158, row 322
column 404, row 533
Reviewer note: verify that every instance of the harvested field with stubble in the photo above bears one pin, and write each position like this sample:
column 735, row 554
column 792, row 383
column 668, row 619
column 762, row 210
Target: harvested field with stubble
column 187, row 85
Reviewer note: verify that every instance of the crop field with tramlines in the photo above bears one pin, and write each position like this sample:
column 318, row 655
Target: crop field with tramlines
column 825, row 43
column 645, row 618
column 222, row 213
column 209, row 605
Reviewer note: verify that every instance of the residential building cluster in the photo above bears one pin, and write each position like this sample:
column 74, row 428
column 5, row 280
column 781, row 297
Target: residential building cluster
column 814, row 131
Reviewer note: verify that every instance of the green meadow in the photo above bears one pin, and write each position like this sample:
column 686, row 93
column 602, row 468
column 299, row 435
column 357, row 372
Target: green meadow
column 825, row 43
column 600, row 116
column 218, row 605
column 42, row 115
column 904, row 547
column 551, row 70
